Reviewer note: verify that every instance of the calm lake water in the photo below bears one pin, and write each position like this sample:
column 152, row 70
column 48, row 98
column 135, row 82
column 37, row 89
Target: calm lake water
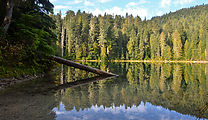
column 141, row 92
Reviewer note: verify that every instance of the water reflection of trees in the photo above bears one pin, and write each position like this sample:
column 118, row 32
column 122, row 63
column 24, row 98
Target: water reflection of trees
column 179, row 87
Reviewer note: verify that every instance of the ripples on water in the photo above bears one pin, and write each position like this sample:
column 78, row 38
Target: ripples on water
column 142, row 91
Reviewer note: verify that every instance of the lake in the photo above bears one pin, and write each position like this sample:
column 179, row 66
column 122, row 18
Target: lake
column 143, row 91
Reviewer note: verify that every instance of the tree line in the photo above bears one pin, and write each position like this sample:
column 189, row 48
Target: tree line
column 181, row 35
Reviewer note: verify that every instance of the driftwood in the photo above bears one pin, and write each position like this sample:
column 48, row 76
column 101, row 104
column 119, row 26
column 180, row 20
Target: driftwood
column 82, row 67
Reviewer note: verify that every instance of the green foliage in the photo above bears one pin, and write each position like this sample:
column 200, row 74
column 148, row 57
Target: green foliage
column 187, row 50
column 177, row 45
column 167, row 54
column 162, row 45
column 141, row 49
column 180, row 35
column 30, row 40
column 131, row 44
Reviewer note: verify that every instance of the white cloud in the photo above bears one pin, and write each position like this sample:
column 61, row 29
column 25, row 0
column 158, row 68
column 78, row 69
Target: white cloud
column 115, row 11
column 131, row 4
column 159, row 13
column 78, row 1
column 143, row 2
column 59, row 112
column 165, row 2
column 75, row 2
column 96, row 12
column 142, row 12
column 182, row 2
column 104, row 1
column 53, row 0
column 62, row 8
column 88, row 3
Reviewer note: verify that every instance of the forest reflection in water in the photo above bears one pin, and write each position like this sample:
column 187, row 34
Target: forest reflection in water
column 142, row 91
column 178, row 87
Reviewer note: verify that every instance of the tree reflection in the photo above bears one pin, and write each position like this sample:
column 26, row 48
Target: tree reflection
column 177, row 78
column 179, row 87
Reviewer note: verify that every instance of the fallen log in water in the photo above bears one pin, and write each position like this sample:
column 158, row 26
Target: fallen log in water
column 80, row 66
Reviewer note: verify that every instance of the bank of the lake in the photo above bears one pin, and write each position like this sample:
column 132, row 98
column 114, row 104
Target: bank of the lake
column 13, row 76
column 10, row 76
column 145, row 61
column 7, row 82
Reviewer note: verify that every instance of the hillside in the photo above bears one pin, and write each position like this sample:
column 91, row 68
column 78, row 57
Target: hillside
column 180, row 35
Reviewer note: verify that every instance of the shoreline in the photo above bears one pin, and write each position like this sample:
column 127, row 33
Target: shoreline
column 7, row 82
column 145, row 61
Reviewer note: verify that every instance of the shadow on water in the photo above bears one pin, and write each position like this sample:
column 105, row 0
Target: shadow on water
column 142, row 91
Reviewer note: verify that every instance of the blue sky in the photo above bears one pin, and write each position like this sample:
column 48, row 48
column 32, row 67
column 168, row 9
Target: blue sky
column 142, row 8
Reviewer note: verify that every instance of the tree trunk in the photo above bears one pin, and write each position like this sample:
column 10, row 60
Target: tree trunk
column 62, row 41
column 80, row 66
column 206, row 50
column 8, row 16
column 206, row 71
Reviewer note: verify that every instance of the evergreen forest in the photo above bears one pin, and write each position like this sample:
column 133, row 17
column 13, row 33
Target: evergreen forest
column 180, row 35
column 31, row 36
column 30, row 32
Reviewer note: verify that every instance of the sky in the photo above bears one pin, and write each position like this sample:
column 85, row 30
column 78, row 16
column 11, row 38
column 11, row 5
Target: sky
column 142, row 8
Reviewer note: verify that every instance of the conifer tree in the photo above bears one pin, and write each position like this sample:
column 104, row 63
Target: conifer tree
column 162, row 45
column 177, row 45
column 93, row 49
column 131, row 44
